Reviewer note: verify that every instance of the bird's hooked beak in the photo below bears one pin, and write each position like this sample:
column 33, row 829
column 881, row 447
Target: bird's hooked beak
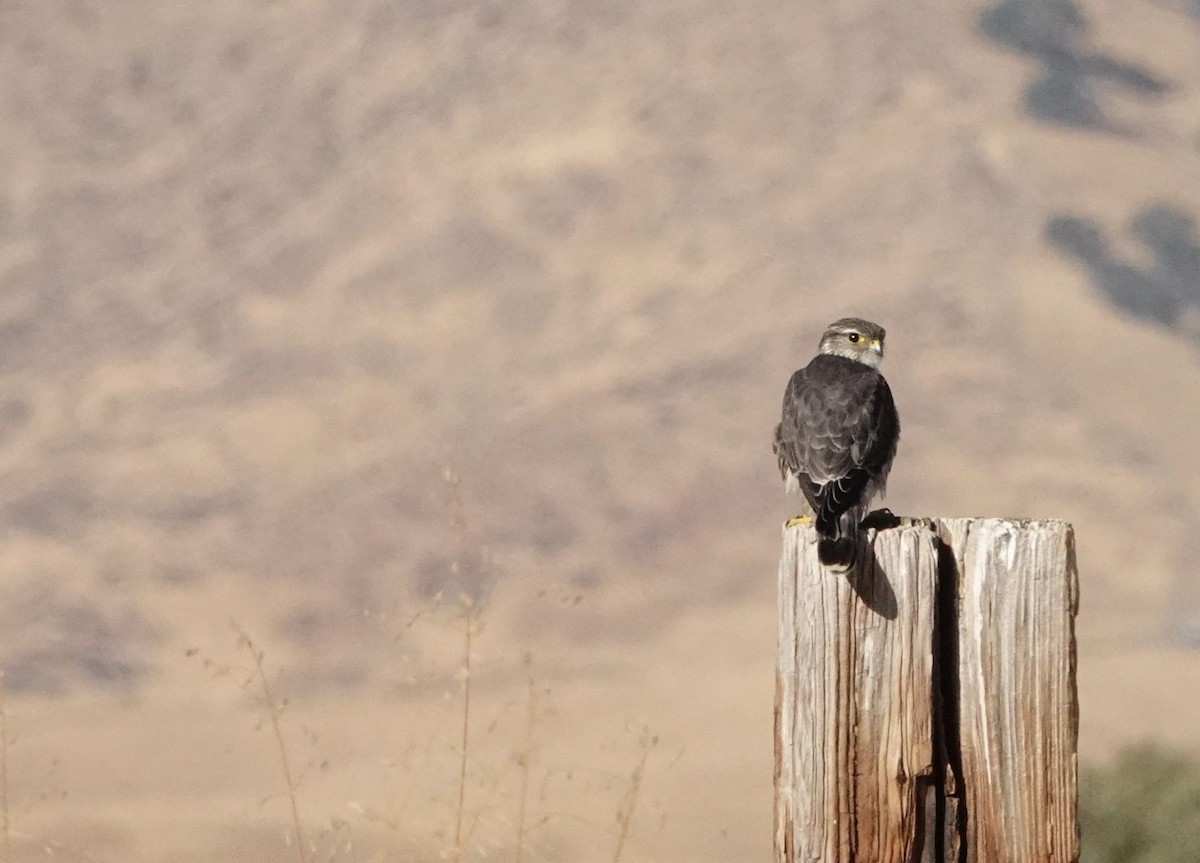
column 877, row 347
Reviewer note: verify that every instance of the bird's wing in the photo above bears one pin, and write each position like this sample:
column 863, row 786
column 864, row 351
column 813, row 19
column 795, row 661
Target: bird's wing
column 838, row 431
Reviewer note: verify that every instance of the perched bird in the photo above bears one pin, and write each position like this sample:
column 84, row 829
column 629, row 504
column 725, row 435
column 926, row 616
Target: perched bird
column 838, row 435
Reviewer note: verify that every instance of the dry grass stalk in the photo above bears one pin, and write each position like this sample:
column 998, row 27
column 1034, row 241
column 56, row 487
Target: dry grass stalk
column 4, row 772
column 523, row 761
column 625, row 810
column 274, row 710
column 464, row 739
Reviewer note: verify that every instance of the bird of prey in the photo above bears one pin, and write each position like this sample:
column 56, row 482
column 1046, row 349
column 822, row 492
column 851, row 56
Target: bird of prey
column 838, row 434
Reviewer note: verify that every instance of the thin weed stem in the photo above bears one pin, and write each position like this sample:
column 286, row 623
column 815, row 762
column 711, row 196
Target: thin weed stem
column 468, row 644
column 524, row 763
column 625, row 811
column 4, row 771
column 273, row 711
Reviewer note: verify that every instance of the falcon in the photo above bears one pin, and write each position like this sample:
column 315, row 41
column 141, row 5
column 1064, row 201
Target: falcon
column 838, row 434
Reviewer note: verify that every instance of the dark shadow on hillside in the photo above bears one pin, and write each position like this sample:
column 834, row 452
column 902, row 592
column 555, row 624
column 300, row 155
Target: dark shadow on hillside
column 55, row 642
column 1191, row 8
column 1071, row 82
column 1166, row 290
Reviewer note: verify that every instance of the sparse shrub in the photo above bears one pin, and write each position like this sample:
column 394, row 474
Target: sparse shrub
column 1143, row 808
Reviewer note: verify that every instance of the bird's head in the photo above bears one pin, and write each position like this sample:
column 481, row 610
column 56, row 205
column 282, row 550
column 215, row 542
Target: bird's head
column 854, row 339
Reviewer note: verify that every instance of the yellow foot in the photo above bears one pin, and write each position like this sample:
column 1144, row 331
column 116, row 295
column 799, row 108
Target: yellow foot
column 800, row 519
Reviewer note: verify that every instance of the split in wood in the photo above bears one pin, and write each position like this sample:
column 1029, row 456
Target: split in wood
column 926, row 707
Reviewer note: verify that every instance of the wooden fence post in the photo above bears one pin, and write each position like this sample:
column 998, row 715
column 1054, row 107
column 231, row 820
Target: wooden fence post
column 926, row 707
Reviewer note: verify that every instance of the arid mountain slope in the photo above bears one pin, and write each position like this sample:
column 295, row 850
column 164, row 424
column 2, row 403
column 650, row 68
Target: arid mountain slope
column 267, row 270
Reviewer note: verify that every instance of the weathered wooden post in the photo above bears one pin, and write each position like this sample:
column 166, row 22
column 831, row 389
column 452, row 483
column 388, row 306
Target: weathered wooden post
column 926, row 707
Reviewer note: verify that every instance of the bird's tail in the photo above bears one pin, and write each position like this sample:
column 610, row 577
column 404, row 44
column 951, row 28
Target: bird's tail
column 838, row 554
column 837, row 541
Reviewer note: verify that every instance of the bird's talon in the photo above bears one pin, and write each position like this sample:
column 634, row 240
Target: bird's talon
column 800, row 519
column 881, row 519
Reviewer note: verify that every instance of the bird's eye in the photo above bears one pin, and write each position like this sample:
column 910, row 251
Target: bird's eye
column 853, row 337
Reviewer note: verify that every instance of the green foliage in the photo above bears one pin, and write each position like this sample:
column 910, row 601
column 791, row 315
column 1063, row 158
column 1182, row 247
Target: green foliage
column 1144, row 808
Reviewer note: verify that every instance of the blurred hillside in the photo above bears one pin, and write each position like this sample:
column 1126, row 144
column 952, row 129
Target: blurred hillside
column 268, row 269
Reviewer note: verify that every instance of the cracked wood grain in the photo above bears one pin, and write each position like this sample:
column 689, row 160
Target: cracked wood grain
column 854, row 698
column 926, row 707
column 1018, row 723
